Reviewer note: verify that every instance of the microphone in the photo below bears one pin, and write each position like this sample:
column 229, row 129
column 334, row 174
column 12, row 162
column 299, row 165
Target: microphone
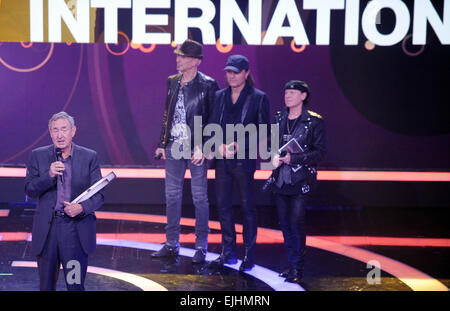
column 59, row 158
column 158, row 156
column 268, row 184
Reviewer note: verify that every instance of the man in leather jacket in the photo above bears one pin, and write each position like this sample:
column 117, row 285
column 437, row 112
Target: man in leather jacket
column 296, row 172
column 238, row 104
column 189, row 94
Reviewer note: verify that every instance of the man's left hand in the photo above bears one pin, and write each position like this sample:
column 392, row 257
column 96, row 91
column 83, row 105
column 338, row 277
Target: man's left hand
column 286, row 159
column 198, row 157
column 73, row 210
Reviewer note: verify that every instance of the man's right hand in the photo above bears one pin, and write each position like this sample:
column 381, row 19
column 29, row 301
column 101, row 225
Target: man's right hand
column 56, row 168
column 276, row 161
column 161, row 151
column 224, row 150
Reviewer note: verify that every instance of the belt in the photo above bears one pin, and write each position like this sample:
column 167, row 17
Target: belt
column 59, row 213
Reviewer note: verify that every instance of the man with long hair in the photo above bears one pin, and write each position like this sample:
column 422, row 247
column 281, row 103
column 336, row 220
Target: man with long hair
column 238, row 104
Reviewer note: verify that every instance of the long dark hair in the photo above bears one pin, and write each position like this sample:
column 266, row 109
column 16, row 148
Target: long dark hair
column 249, row 81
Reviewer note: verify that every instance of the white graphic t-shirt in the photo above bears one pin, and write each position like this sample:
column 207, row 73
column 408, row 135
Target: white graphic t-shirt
column 179, row 129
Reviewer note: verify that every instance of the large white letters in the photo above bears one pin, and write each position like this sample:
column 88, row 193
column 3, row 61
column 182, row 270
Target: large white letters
column 369, row 22
column 351, row 22
column 79, row 26
column 251, row 30
column 36, row 21
column 141, row 20
column 111, row 8
column 286, row 8
column 286, row 20
column 183, row 22
column 323, row 17
column 423, row 12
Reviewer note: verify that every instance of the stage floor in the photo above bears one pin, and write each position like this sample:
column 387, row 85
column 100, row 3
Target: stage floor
column 345, row 247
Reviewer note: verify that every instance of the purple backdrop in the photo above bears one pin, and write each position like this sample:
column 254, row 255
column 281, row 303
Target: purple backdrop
column 118, row 100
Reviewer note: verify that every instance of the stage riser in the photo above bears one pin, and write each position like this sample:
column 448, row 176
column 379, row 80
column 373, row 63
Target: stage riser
column 328, row 193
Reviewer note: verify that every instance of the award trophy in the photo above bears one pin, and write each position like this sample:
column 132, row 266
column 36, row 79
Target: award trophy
column 99, row 185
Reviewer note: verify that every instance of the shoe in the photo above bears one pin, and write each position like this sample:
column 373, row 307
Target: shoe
column 224, row 259
column 246, row 265
column 284, row 273
column 294, row 276
column 199, row 256
column 167, row 251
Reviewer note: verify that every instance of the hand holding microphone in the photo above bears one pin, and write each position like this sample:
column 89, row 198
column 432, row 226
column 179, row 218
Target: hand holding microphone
column 228, row 151
column 160, row 153
column 57, row 168
column 197, row 156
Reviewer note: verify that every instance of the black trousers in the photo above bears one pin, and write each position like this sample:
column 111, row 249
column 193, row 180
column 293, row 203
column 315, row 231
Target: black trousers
column 62, row 247
column 291, row 215
column 226, row 176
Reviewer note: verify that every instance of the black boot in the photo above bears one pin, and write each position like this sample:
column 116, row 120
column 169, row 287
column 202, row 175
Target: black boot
column 225, row 258
column 294, row 276
column 199, row 256
column 248, row 262
column 166, row 251
column 284, row 273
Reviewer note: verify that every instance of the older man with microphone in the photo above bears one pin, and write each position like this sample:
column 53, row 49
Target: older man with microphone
column 63, row 232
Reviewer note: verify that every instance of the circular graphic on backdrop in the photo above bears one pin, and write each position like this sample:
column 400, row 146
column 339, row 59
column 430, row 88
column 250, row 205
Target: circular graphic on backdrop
column 403, row 92
column 46, row 80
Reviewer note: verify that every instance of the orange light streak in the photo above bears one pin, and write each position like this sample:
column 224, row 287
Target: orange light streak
column 414, row 278
column 152, row 173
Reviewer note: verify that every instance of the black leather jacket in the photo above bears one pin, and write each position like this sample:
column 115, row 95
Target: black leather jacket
column 198, row 101
column 309, row 131
column 255, row 110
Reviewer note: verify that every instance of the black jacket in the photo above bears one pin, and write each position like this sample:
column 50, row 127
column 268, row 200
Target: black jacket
column 39, row 184
column 255, row 110
column 198, row 100
column 310, row 133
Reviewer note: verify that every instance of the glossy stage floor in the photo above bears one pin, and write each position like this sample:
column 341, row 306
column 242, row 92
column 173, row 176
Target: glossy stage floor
column 345, row 248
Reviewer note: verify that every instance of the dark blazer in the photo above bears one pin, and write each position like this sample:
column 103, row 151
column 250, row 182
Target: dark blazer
column 255, row 110
column 39, row 184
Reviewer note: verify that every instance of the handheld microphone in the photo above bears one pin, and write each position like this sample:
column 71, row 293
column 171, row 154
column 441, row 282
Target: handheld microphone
column 59, row 158
column 268, row 184
column 158, row 156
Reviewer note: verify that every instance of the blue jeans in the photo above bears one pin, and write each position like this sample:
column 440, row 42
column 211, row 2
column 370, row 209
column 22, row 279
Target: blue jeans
column 175, row 170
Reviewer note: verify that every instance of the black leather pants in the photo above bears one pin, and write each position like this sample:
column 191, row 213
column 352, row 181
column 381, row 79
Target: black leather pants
column 291, row 214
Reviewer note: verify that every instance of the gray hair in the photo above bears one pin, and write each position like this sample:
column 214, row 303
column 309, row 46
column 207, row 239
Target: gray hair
column 62, row 115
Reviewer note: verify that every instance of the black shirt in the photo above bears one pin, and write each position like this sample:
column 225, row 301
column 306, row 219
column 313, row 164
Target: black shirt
column 233, row 115
column 285, row 188
column 233, row 112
